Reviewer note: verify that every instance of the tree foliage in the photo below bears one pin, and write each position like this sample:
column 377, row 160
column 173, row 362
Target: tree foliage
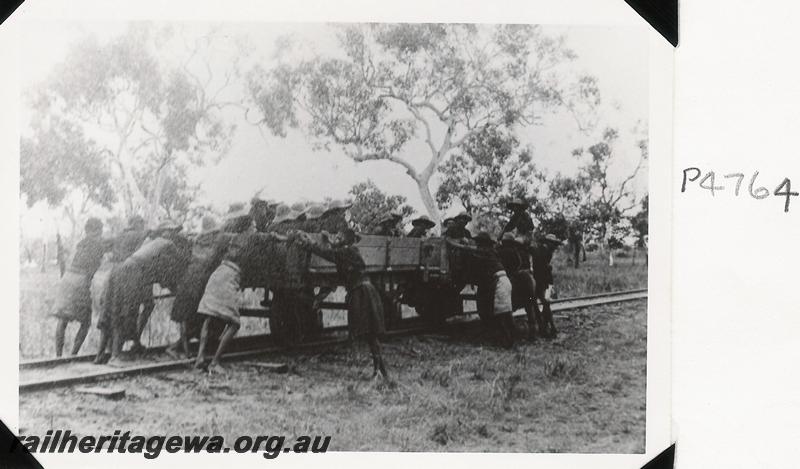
column 488, row 170
column 370, row 204
column 399, row 87
column 146, row 115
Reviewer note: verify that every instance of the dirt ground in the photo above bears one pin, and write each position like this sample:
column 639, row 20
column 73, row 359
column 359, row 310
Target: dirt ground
column 583, row 392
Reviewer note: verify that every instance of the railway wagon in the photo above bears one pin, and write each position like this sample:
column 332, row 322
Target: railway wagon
column 423, row 273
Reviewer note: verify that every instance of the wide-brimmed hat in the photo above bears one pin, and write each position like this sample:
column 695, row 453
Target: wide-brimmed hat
column 282, row 213
column 517, row 202
column 551, row 238
column 339, row 204
column 208, row 224
column 463, row 215
column 314, row 211
column 423, row 221
column 390, row 217
column 483, row 237
column 135, row 220
column 93, row 224
column 169, row 225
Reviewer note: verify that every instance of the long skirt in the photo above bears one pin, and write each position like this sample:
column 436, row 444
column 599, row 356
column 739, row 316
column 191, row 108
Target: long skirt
column 221, row 296
column 365, row 310
column 99, row 289
column 127, row 290
column 523, row 289
column 74, row 300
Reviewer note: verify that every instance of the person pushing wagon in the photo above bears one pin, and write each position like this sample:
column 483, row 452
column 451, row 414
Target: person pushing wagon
column 494, row 286
column 541, row 256
column 364, row 306
column 74, row 301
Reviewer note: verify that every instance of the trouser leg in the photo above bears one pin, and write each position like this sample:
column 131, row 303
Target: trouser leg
column 80, row 336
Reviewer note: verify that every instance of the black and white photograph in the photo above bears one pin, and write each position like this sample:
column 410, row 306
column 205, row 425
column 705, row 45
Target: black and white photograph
column 362, row 236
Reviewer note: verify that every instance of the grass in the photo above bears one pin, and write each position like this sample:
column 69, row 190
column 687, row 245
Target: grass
column 582, row 393
column 37, row 296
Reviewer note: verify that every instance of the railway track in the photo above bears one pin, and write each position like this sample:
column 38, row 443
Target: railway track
column 36, row 375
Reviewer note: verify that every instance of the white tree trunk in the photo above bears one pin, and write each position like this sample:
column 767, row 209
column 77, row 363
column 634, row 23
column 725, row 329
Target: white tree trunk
column 428, row 200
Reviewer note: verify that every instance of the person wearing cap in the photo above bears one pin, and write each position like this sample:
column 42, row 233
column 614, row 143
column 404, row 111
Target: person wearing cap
column 163, row 260
column 420, row 227
column 458, row 227
column 387, row 225
column 364, row 306
column 541, row 256
column 219, row 305
column 494, row 286
column 74, row 300
column 519, row 219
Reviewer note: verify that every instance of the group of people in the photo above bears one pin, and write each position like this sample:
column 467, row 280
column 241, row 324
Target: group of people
column 207, row 273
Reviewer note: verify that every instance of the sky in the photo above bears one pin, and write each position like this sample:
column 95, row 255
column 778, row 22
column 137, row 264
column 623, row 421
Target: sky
column 289, row 169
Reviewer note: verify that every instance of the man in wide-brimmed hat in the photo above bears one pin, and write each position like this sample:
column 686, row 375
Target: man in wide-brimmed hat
column 519, row 219
column 387, row 224
column 542, row 255
column 420, row 226
column 458, row 228
column 494, row 286
column 364, row 305
column 336, row 217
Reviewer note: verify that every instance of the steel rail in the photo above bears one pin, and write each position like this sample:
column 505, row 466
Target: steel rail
column 45, row 362
column 417, row 326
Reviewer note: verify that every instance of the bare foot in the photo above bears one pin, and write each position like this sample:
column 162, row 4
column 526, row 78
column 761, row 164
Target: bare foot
column 174, row 354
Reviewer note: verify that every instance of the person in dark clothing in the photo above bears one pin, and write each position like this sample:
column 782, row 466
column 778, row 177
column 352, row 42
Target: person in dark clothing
column 420, row 227
column 494, row 286
column 458, row 228
column 207, row 253
column 387, row 225
column 219, row 304
column 161, row 260
column 74, row 301
column 519, row 220
column 364, row 306
column 541, row 256
column 517, row 262
column 125, row 244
